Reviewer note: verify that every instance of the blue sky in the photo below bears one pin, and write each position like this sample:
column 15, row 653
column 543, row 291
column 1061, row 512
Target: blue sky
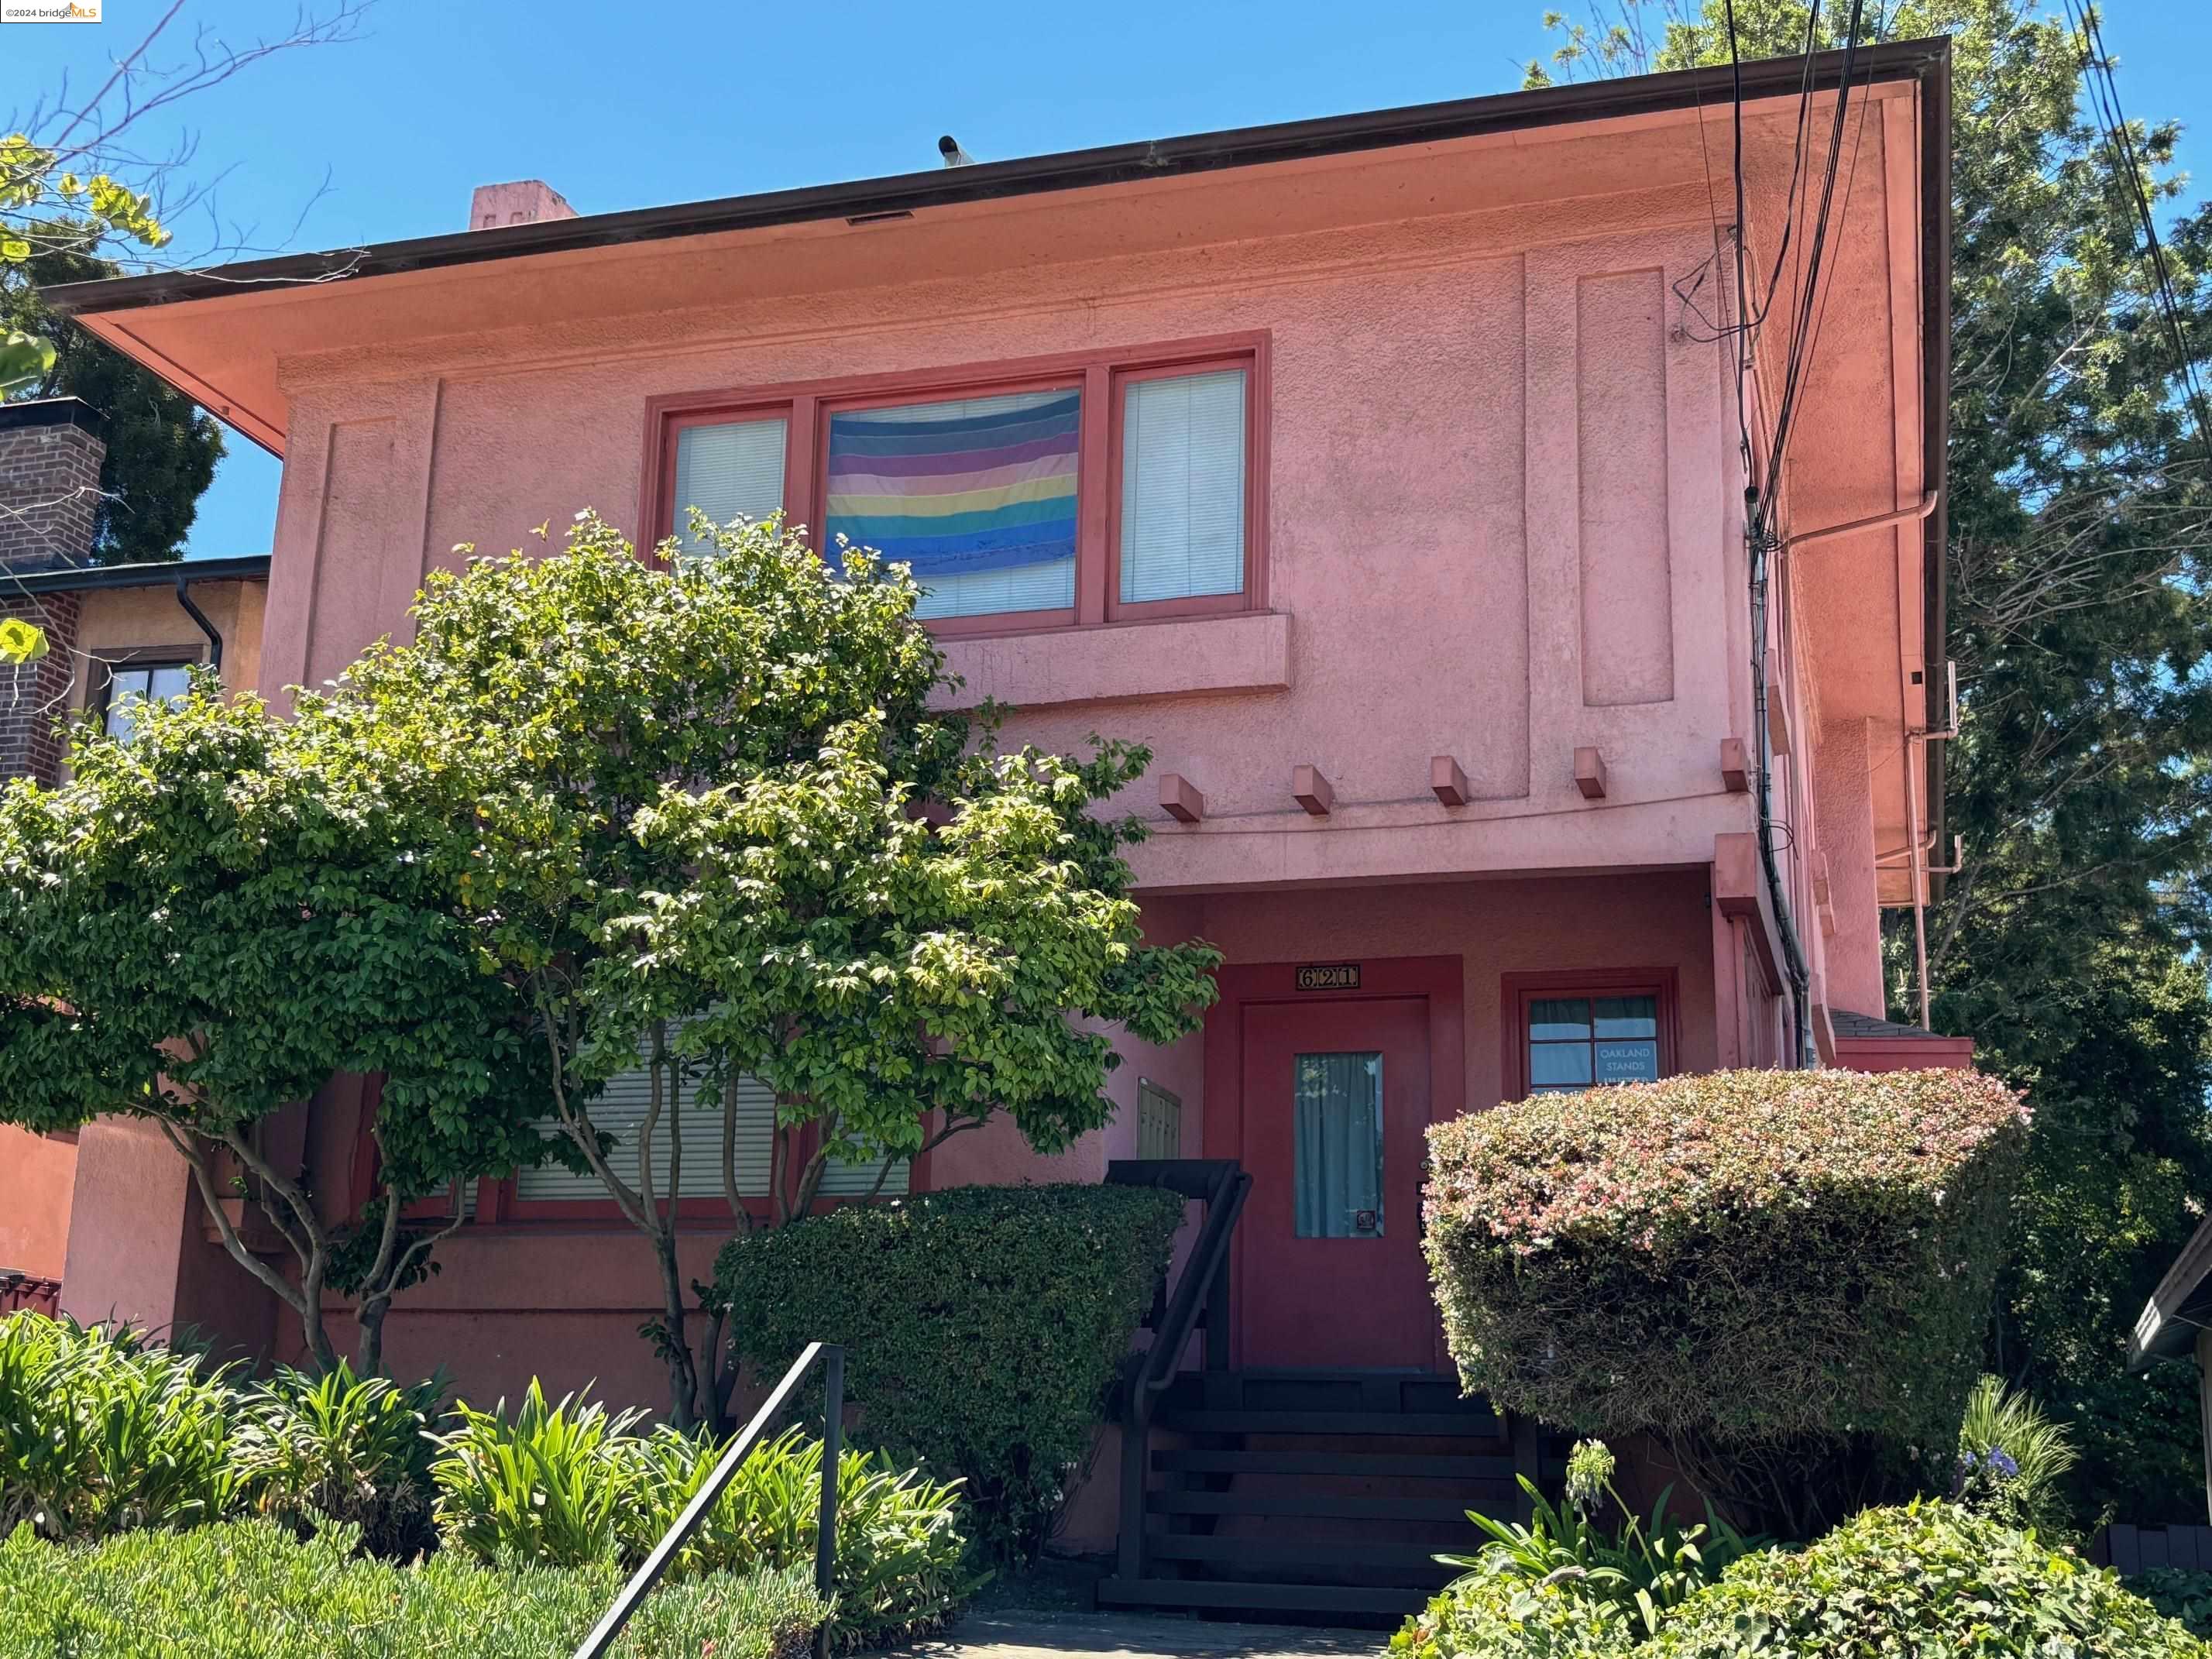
column 623, row 106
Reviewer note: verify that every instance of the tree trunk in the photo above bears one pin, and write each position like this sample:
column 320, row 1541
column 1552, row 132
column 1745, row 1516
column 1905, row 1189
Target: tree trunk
column 304, row 1299
column 676, row 1344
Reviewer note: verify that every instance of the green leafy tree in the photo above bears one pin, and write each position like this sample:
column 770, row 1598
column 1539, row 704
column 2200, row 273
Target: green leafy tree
column 705, row 819
column 2078, row 489
column 162, row 447
column 206, row 925
column 84, row 195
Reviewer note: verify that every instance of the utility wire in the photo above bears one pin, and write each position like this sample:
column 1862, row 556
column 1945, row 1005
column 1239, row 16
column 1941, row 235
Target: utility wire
column 2098, row 81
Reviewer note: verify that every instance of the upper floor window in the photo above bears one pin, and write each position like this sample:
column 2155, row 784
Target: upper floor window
column 977, row 494
column 1080, row 490
column 731, row 469
column 132, row 686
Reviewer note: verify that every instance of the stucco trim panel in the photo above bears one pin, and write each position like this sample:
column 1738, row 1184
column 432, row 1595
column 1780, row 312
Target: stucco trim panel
column 1245, row 652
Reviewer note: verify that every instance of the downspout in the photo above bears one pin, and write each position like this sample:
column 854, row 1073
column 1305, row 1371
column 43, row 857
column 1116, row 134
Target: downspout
column 214, row 636
column 1916, row 747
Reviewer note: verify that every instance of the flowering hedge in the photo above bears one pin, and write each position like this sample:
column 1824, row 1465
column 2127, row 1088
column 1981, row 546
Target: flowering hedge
column 1739, row 1258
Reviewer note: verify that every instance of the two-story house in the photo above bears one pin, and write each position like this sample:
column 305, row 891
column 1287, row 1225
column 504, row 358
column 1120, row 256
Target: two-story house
column 1387, row 474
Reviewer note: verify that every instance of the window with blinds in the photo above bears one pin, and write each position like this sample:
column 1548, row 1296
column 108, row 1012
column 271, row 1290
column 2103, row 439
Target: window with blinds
column 1183, row 486
column 621, row 1112
column 733, row 470
column 1099, row 486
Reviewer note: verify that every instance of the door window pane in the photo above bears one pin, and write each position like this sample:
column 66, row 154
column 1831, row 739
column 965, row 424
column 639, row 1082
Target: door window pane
column 1183, row 487
column 1575, row 1042
column 730, row 470
column 976, row 495
column 1337, row 1118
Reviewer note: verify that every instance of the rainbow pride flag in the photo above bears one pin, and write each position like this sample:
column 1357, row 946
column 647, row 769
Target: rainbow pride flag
column 984, row 484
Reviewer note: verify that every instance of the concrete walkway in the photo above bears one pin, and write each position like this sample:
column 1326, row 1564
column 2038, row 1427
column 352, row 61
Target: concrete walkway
column 1135, row 1635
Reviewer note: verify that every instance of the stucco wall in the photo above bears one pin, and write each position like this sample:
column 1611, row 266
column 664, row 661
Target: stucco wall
column 148, row 622
column 36, row 1178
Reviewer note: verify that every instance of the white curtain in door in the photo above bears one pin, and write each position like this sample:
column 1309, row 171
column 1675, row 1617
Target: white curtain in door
column 1338, row 1125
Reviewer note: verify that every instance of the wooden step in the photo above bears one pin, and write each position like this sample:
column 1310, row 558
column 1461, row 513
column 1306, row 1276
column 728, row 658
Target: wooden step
column 1218, row 1595
column 1452, row 1426
column 1318, row 1505
column 1396, row 1466
column 1413, row 1566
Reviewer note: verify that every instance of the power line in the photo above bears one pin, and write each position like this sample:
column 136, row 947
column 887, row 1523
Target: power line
column 2098, row 80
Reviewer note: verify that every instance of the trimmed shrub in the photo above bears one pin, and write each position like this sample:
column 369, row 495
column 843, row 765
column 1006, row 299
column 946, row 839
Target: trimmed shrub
column 101, row 1431
column 1496, row 1615
column 1927, row 1578
column 309, row 1450
column 254, row 1590
column 984, row 1326
column 1783, row 1276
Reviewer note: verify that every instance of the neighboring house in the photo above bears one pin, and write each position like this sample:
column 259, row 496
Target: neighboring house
column 116, row 634
column 1384, row 473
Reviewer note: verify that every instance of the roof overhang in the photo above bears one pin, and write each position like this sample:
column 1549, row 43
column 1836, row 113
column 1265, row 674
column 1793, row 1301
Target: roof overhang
column 2178, row 1309
column 91, row 578
column 238, row 338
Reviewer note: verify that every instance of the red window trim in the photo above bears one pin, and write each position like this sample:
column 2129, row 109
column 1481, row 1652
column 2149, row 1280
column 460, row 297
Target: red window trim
column 1102, row 375
column 1517, row 991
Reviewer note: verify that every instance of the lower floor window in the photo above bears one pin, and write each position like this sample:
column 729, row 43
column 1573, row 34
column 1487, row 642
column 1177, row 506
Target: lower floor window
column 1575, row 1042
column 621, row 1111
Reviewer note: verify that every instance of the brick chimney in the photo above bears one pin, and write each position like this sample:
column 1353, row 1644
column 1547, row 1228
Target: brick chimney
column 50, row 456
column 51, row 452
column 524, row 202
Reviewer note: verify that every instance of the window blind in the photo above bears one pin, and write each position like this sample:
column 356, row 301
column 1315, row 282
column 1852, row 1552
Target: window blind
column 621, row 1111
column 1183, row 486
column 732, row 471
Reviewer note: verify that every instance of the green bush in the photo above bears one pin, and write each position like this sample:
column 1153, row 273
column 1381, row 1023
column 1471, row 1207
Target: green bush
column 984, row 1327
column 101, row 1431
column 313, row 1449
column 1639, row 1572
column 569, row 1484
column 1496, row 1615
column 557, row 1483
column 2013, row 1462
column 254, row 1590
column 2178, row 1593
column 1927, row 1578
column 1783, row 1276
column 901, row 1559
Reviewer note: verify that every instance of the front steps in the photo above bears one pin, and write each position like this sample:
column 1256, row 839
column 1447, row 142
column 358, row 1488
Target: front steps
column 1319, row 1495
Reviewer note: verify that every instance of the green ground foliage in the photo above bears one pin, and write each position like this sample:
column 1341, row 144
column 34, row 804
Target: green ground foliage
column 1927, row 1578
column 252, row 1589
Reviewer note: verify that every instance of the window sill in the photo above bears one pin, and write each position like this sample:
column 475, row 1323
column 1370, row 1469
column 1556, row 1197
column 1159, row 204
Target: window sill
column 1246, row 651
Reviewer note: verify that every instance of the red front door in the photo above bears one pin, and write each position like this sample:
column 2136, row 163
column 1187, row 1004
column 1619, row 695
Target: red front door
column 1336, row 1100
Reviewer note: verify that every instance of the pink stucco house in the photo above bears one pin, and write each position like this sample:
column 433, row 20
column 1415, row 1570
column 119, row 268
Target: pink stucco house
column 1397, row 499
